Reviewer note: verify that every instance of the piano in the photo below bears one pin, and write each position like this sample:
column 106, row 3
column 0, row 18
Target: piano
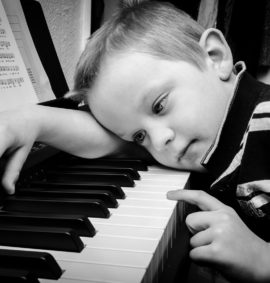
column 103, row 220
column 75, row 220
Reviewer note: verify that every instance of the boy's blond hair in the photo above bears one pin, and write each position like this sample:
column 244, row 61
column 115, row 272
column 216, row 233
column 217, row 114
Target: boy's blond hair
column 155, row 28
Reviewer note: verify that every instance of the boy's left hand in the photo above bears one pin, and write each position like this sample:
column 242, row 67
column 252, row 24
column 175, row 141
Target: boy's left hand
column 222, row 240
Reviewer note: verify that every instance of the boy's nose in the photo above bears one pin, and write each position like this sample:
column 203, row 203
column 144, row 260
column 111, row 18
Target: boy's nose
column 161, row 138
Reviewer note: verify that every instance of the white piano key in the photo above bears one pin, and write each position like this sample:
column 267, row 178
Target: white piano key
column 131, row 231
column 156, row 182
column 162, row 170
column 146, row 175
column 137, row 221
column 153, row 188
column 100, row 272
column 146, row 203
column 69, row 280
column 133, row 210
column 106, row 256
column 121, row 243
column 135, row 194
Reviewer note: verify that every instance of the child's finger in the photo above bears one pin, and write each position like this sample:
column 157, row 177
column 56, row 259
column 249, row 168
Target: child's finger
column 202, row 253
column 202, row 238
column 200, row 198
column 260, row 185
column 201, row 220
column 13, row 168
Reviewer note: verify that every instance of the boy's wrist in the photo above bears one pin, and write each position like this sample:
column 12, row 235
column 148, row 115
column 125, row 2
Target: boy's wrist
column 44, row 122
column 73, row 131
column 32, row 117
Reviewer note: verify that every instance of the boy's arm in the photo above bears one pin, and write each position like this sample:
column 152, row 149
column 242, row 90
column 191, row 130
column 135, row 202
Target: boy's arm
column 73, row 131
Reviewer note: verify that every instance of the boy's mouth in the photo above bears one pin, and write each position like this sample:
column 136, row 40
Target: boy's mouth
column 184, row 151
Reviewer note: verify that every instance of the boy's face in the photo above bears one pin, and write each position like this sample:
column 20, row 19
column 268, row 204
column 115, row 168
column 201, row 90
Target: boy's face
column 171, row 108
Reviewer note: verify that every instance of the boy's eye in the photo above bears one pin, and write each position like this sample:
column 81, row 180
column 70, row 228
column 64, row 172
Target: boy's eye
column 159, row 104
column 139, row 137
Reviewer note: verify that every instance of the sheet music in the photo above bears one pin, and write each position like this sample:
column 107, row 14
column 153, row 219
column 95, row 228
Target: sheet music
column 28, row 51
column 15, row 86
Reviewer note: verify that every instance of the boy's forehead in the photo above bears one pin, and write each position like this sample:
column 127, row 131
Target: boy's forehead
column 130, row 74
column 128, row 60
column 117, row 72
column 136, row 61
column 132, row 68
column 135, row 75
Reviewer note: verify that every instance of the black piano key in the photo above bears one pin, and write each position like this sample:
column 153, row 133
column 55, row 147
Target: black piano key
column 88, row 177
column 105, row 196
column 62, row 239
column 99, row 168
column 137, row 164
column 17, row 276
column 90, row 208
column 115, row 190
column 40, row 264
column 80, row 224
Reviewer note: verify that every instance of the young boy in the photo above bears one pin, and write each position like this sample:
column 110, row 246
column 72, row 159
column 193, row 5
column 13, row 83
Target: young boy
column 153, row 76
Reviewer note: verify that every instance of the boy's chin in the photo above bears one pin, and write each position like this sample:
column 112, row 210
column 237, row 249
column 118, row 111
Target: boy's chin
column 186, row 164
column 199, row 169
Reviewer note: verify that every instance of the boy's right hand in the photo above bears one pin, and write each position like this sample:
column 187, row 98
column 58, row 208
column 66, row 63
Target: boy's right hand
column 72, row 131
column 17, row 135
column 222, row 240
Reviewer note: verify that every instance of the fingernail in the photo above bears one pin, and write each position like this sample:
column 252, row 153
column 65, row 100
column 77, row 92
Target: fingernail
column 11, row 190
column 170, row 194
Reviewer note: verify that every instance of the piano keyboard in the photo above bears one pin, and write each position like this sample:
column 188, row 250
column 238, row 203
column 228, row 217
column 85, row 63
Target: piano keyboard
column 130, row 245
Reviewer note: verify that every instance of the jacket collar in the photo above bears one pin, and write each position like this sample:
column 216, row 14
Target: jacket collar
column 230, row 135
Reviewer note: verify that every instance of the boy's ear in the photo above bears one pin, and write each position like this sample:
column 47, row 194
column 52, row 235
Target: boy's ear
column 215, row 45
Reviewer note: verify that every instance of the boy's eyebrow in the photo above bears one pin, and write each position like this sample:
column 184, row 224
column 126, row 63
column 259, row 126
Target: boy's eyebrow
column 148, row 94
column 156, row 90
